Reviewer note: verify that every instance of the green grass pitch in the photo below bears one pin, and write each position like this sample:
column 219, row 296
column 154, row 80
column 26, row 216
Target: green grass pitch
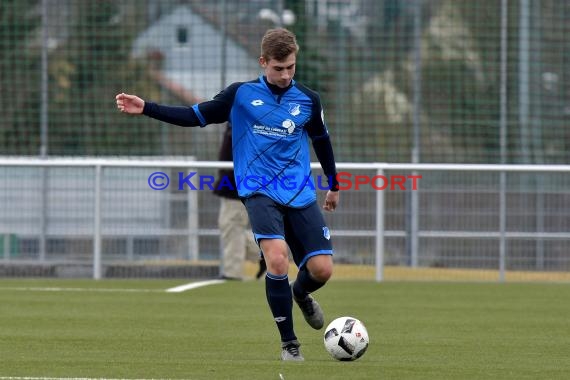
column 133, row 329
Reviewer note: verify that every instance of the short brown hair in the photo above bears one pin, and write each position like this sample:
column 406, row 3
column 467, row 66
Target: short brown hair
column 278, row 44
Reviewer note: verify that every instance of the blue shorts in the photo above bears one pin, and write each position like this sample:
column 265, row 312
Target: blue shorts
column 303, row 229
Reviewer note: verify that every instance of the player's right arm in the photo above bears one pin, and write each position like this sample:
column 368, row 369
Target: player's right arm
column 212, row 111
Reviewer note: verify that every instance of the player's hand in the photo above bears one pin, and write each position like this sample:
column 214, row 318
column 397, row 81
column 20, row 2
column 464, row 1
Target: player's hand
column 331, row 200
column 129, row 103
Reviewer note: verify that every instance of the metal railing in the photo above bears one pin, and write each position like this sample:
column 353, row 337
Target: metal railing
column 375, row 211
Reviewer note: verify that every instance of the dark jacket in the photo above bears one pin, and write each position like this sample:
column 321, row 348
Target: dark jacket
column 225, row 190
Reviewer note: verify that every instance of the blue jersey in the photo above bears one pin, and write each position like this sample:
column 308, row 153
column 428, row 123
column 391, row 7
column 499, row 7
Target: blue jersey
column 272, row 128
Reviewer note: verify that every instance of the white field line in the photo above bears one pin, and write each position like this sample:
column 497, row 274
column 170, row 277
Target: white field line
column 59, row 289
column 177, row 289
column 63, row 378
column 192, row 285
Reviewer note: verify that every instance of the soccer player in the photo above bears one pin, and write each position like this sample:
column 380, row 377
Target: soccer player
column 273, row 118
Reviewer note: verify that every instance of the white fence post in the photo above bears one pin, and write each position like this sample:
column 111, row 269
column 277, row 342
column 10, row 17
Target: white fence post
column 97, row 225
column 379, row 248
column 502, row 225
column 193, row 221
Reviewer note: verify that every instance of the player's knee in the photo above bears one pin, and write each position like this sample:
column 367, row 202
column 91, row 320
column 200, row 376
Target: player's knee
column 322, row 273
column 277, row 263
column 320, row 267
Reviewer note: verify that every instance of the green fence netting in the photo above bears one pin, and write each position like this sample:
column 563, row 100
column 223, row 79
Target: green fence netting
column 400, row 80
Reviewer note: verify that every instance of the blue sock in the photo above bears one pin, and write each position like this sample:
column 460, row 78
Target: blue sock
column 305, row 284
column 280, row 302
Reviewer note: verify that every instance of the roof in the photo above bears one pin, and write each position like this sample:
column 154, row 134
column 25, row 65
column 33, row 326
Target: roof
column 190, row 51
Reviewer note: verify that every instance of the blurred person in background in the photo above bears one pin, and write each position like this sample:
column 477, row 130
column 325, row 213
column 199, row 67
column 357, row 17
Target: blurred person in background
column 238, row 243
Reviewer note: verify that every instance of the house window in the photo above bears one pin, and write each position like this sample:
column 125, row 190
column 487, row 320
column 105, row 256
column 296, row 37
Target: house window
column 182, row 35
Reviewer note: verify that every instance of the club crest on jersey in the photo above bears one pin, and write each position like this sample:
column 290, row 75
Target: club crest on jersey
column 294, row 109
column 289, row 125
column 326, row 233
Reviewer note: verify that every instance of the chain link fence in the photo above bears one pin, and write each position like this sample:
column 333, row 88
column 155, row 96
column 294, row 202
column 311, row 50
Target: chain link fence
column 401, row 80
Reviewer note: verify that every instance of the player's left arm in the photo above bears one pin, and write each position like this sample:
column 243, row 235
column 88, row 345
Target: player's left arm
column 319, row 134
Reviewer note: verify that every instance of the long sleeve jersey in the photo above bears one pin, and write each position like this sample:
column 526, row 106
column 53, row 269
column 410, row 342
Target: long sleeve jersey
column 271, row 129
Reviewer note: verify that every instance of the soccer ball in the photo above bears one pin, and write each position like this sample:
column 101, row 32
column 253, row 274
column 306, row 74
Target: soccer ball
column 346, row 338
